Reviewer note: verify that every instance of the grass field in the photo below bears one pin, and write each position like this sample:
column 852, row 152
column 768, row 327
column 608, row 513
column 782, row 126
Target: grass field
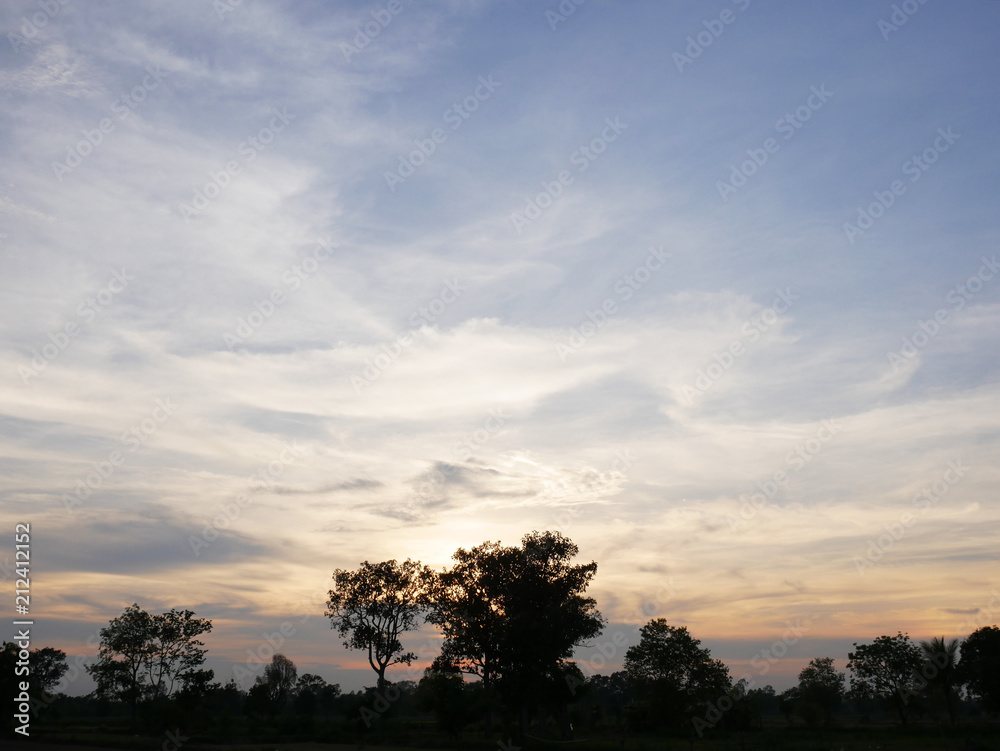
column 846, row 738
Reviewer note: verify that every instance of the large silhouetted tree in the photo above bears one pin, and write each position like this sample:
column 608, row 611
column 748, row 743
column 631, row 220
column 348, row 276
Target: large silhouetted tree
column 374, row 605
column 821, row 685
column 122, row 657
column 979, row 667
column 313, row 694
column 449, row 698
column 273, row 689
column 48, row 666
column 467, row 606
column 513, row 615
column 42, row 671
column 674, row 676
column 887, row 669
column 143, row 656
column 175, row 651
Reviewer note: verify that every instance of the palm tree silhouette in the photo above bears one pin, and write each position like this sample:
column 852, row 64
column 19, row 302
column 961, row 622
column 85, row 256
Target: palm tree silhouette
column 940, row 661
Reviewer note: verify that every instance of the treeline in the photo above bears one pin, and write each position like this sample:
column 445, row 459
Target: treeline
column 510, row 618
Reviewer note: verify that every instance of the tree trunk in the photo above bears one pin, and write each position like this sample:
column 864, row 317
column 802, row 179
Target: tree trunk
column 565, row 726
column 950, row 705
column 488, row 691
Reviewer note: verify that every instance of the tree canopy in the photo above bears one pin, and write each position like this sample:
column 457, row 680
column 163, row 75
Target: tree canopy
column 887, row 669
column 673, row 674
column 143, row 656
column 939, row 672
column 979, row 667
column 372, row 606
column 513, row 615
column 48, row 666
column 272, row 690
column 821, row 686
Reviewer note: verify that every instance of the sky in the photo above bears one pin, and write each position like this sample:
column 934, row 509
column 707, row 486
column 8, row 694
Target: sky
column 710, row 288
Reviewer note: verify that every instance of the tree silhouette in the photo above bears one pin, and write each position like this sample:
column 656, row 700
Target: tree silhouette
column 821, row 685
column 48, row 666
column 42, row 671
column 979, row 667
column 466, row 605
column 886, row 669
column 787, row 702
column 673, row 674
column 198, row 688
column 939, row 670
column 374, row 605
column 513, row 615
column 276, row 683
column 313, row 693
column 451, row 700
column 175, row 654
column 145, row 656
column 122, row 656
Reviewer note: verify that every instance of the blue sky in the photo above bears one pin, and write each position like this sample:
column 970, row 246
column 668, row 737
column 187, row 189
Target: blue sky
column 504, row 268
